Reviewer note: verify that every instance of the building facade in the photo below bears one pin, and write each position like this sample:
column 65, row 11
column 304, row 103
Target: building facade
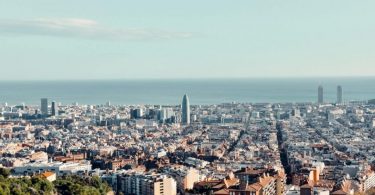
column 339, row 94
column 54, row 110
column 146, row 184
column 320, row 95
column 44, row 106
column 185, row 110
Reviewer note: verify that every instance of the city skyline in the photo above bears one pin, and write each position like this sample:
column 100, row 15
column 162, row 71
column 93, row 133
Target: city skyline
column 187, row 97
column 166, row 93
column 137, row 40
column 279, row 149
column 185, row 105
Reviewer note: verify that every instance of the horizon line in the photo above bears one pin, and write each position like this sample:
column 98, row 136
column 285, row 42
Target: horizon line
column 187, row 78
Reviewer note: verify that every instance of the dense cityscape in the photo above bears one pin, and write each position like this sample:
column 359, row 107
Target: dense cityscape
column 232, row 148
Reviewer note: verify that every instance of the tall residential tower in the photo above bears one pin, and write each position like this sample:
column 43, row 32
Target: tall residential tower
column 320, row 94
column 54, row 109
column 339, row 94
column 185, row 110
column 44, row 106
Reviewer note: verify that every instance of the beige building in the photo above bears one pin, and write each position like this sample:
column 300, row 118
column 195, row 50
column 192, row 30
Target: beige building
column 184, row 176
column 146, row 184
column 192, row 176
column 39, row 157
column 165, row 186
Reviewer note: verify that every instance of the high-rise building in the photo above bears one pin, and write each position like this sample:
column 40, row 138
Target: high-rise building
column 320, row 94
column 136, row 113
column 54, row 109
column 162, row 115
column 44, row 106
column 185, row 110
column 139, row 112
column 165, row 113
column 339, row 94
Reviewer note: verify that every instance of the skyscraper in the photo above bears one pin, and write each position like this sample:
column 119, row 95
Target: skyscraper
column 339, row 94
column 185, row 110
column 44, row 106
column 54, row 110
column 320, row 94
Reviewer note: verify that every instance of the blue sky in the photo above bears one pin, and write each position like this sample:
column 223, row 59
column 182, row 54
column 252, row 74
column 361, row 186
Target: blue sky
column 86, row 39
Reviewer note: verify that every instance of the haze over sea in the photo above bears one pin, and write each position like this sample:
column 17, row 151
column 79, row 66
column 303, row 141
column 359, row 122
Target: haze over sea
column 200, row 91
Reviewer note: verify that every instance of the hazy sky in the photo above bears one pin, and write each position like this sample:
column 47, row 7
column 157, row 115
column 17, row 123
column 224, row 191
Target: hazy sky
column 122, row 39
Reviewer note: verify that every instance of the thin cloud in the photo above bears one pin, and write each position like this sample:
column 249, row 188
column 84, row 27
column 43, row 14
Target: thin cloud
column 84, row 28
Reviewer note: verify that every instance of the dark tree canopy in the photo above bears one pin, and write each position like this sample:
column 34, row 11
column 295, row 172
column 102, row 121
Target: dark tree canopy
column 67, row 185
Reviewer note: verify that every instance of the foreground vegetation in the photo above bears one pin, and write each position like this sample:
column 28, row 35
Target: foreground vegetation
column 67, row 185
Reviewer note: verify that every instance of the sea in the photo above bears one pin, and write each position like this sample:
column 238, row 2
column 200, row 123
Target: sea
column 200, row 91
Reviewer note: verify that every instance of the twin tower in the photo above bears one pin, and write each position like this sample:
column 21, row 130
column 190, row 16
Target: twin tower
column 320, row 94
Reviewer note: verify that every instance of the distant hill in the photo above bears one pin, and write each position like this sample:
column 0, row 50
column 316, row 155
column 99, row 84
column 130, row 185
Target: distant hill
column 371, row 101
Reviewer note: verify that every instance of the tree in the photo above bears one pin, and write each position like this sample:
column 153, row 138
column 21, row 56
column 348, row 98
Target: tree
column 68, row 185
column 4, row 172
column 81, row 185
column 127, row 167
column 4, row 189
